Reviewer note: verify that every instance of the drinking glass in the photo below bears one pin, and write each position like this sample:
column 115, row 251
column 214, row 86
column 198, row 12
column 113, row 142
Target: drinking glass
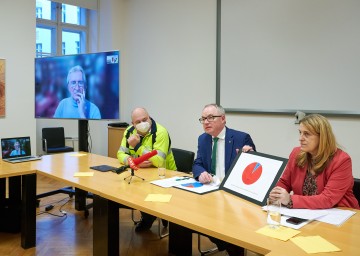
column 273, row 213
column 162, row 168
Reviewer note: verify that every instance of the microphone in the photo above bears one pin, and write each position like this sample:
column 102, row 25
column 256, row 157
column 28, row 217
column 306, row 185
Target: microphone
column 134, row 162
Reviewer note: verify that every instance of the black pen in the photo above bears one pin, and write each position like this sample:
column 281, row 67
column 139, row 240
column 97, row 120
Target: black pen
column 184, row 178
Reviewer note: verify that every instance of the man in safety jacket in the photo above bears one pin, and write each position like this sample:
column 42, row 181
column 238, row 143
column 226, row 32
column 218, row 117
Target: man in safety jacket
column 144, row 136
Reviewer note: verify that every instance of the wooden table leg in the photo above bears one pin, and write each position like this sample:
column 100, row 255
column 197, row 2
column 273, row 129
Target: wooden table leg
column 105, row 227
column 180, row 240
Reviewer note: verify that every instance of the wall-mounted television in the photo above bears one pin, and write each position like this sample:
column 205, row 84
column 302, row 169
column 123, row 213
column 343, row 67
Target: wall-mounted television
column 81, row 86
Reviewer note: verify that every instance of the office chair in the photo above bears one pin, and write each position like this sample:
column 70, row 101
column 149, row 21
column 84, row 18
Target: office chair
column 356, row 189
column 184, row 160
column 53, row 141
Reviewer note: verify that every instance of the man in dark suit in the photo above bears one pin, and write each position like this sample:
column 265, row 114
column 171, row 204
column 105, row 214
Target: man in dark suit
column 217, row 149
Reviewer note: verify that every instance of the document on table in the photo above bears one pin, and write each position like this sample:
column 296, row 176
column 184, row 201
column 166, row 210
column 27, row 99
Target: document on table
column 332, row 216
column 187, row 183
column 171, row 182
column 314, row 244
column 282, row 233
column 336, row 216
column 193, row 185
column 301, row 213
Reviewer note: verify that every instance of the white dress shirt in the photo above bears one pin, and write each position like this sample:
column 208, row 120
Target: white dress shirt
column 220, row 155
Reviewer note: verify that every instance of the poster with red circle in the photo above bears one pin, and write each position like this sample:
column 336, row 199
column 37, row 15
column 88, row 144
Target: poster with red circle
column 253, row 175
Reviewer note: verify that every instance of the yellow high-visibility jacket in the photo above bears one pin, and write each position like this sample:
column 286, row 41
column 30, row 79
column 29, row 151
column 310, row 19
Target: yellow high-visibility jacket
column 157, row 139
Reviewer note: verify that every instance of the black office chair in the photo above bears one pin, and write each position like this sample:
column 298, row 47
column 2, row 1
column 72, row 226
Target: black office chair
column 53, row 141
column 356, row 189
column 184, row 160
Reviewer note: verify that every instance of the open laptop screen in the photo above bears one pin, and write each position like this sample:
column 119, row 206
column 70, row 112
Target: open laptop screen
column 15, row 147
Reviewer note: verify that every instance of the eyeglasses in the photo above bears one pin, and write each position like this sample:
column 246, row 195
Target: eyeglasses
column 80, row 84
column 209, row 118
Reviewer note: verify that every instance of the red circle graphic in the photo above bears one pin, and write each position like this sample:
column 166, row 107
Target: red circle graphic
column 252, row 173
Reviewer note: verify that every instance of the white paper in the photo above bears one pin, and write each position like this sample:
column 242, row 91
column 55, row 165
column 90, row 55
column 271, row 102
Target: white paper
column 197, row 187
column 336, row 216
column 173, row 181
column 332, row 216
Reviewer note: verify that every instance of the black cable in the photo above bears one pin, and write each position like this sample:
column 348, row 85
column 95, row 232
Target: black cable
column 64, row 213
column 55, row 202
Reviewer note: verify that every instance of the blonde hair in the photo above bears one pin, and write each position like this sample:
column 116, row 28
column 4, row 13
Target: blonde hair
column 318, row 124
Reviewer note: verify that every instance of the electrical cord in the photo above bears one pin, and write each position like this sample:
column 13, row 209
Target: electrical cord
column 50, row 206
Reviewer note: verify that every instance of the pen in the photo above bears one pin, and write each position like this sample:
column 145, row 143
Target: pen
column 184, row 178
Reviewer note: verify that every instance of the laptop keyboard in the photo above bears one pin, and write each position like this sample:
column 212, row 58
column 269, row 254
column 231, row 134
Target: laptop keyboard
column 23, row 158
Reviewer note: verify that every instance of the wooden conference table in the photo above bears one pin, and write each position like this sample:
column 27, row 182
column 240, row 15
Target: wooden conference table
column 21, row 195
column 218, row 214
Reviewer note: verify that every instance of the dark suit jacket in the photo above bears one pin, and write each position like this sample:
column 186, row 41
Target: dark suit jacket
column 233, row 140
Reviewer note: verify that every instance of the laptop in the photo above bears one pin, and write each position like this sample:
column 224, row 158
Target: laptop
column 17, row 150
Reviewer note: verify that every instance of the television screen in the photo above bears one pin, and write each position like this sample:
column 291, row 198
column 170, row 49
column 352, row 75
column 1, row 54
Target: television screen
column 81, row 86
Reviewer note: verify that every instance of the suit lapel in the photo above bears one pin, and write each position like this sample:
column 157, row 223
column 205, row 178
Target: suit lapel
column 229, row 144
column 208, row 148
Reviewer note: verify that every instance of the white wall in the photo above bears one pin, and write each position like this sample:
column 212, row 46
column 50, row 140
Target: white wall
column 17, row 46
column 167, row 65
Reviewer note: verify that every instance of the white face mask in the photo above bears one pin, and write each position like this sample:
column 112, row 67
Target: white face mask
column 142, row 127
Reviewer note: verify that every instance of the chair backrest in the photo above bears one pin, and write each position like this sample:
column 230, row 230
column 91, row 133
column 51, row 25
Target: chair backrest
column 356, row 189
column 53, row 140
column 184, row 159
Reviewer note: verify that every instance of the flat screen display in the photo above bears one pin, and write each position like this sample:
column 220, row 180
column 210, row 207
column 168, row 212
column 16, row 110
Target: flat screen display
column 81, row 86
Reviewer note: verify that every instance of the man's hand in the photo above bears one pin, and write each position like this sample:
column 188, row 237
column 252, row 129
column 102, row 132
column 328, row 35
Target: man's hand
column 205, row 177
column 80, row 99
column 146, row 164
column 133, row 140
column 247, row 148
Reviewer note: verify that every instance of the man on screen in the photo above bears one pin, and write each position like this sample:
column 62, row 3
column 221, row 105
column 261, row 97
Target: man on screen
column 76, row 106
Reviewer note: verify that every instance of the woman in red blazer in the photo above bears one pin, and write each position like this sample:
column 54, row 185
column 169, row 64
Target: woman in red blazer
column 318, row 174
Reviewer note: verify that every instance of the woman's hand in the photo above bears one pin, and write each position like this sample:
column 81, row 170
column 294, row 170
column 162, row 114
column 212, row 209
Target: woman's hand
column 280, row 194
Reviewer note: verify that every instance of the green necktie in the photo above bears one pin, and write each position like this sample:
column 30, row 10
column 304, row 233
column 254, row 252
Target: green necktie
column 213, row 156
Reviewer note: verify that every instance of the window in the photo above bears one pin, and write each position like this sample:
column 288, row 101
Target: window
column 39, row 12
column 63, row 48
column 38, row 48
column 63, row 13
column 60, row 29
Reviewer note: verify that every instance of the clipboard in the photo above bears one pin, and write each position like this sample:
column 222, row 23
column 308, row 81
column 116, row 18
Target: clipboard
column 253, row 175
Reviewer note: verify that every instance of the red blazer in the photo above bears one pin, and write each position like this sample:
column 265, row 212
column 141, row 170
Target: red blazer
column 334, row 184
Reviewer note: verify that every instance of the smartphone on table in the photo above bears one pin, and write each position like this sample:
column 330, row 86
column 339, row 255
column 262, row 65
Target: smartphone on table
column 295, row 220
